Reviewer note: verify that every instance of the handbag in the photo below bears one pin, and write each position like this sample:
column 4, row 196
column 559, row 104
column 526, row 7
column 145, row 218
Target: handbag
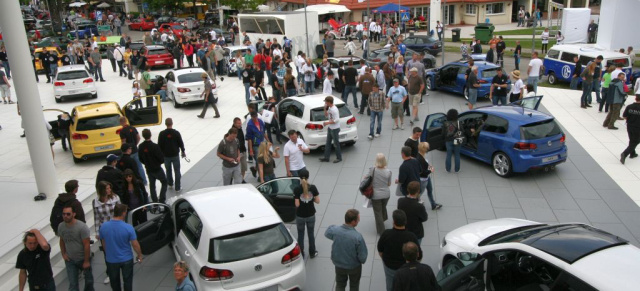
column 458, row 136
column 366, row 186
column 399, row 190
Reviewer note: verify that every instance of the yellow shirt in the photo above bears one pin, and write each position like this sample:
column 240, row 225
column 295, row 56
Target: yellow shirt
column 127, row 57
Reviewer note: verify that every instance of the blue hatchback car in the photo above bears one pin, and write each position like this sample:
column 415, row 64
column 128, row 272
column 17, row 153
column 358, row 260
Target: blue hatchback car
column 514, row 139
column 451, row 77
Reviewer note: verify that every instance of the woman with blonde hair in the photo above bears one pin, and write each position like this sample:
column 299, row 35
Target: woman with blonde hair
column 425, row 174
column 306, row 195
column 399, row 68
column 239, row 60
column 381, row 193
column 266, row 164
column 103, row 207
column 290, row 84
column 587, row 84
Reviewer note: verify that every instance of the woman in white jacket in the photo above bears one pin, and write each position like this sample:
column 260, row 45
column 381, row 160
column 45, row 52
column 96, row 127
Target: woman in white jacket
column 350, row 47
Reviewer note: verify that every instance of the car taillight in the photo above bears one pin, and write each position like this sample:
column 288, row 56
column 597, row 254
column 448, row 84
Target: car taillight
column 79, row 136
column 313, row 126
column 525, row 146
column 292, row 255
column 232, row 60
column 87, row 81
column 563, row 138
column 351, row 120
column 183, row 90
column 58, row 84
column 211, row 274
column 483, row 81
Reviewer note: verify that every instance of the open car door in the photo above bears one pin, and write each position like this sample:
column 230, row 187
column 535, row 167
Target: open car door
column 144, row 111
column 156, row 226
column 279, row 192
column 467, row 278
column 49, row 113
column 529, row 102
column 432, row 131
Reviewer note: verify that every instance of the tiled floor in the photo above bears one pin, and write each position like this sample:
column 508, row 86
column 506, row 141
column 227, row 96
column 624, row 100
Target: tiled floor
column 577, row 191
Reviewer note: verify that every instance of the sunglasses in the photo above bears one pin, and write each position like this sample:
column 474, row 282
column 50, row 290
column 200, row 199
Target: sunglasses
column 66, row 213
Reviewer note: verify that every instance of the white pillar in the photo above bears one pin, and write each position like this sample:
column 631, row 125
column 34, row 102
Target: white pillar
column 435, row 14
column 24, row 80
column 568, row 4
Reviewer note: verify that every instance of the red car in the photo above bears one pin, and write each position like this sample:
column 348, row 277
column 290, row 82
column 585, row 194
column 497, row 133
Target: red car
column 141, row 24
column 158, row 55
column 177, row 28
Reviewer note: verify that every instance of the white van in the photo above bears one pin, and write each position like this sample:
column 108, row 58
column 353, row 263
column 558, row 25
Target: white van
column 559, row 63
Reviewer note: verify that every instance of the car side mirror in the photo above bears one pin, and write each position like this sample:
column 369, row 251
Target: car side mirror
column 468, row 256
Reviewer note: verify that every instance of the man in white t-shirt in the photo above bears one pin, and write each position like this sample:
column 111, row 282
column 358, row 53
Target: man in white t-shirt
column 326, row 84
column 333, row 130
column 294, row 151
column 212, row 33
column 534, row 71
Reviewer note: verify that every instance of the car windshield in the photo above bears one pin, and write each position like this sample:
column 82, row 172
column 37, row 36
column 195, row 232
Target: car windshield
column 540, row 130
column 179, row 27
column 489, row 73
column 317, row 114
column 190, row 78
column 623, row 61
column 510, row 235
column 98, row 122
column 157, row 52
column 72, row 75
column 249, row 244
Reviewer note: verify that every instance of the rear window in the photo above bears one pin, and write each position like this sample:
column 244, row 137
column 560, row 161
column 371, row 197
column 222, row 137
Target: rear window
column 540, row 130
column 98, row 122
column 317, row 114
column 190, row 78
column 490, row 73
column 72, row 75
column 249, row 244
column 623, row 61
column 179, row 27
column 158, row 52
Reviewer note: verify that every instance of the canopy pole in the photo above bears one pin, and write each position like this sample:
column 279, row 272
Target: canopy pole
column 306, row 28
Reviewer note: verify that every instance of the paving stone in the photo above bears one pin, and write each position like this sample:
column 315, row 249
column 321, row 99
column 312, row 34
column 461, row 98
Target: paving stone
column 597, row 211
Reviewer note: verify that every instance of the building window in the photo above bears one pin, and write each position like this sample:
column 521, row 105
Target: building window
column 494, row 8
column 471, row 9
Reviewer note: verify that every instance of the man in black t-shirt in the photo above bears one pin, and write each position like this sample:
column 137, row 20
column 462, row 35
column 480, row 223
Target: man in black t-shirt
column 498, row 92
column 390, row 246
column 413, row 141
column 44, row 60
column 575, row 77
column 34, row 264
column 632, row 115
column 66, row 60
column 350, row 78
column 130, row 135
column 414, row 275
column 409, row 170
column 258, row 76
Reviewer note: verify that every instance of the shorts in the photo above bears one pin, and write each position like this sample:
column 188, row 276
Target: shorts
column 396, row 109
column 5, row 91
column 414, row 100
column 473, row 96
column 243, row 162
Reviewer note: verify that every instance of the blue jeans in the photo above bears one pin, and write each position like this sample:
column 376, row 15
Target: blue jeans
column 499, row 99
column 473, row 96
column 332, row 137
column 586, row 93
column 140, row 168
column 350, row 89
column 246, row 93
column 308, row 87
column 168, row 162
column 291, row 92
column 310, row 223
column 596, row 87
column 113, row 271
column 429, row 187
column 7, row 69
column 157, row 175
column 452, row 150
column 75, row 267
column 388, row 275
column 52, row 70
column 239, row 71
column 516, row 58
column 163, row 95
column 574, row 83
column 98, row 72
column 295, row 173
column 534, row 81
column 375, row 115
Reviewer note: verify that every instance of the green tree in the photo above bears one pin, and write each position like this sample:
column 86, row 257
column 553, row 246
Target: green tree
column 167, row 5
column 242, row 5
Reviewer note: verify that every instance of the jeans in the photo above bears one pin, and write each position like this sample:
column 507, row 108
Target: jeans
column 310, row 223
column 364, row 54
column 291, row 92
column 75, row 267
column 113, row 271
column 7, row 69
column 163, row 95
column 118, row 30
column 239, row 71
column 98, row 73
column 520, row 21
column 452, row 150
column 122, row 70
column 168, row 162
column 350, row 89
column 380, row 213
column 363, row 103
column 534, row 81
column 231, row 175
column 64, row 137
column 375, row 115
column 388, row 275
column 429, row 187
column 596, row 87
column 247, row 97
column 516, row 58
column 499, row 99
column 52, row 70
column 157, row 175
column 352, row 275
column 135, row 157
column 308, row 87
column 586, row 93
column 634, row 139
column 295, row 173
column 605, row 101
column 273, row 125
column 332, row 136
column 574, row 83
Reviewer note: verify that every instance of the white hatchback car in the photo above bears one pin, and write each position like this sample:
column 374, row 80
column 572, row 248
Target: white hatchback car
column 231, row 237
column 516, row 254
column 185, row 86
column 74, row 81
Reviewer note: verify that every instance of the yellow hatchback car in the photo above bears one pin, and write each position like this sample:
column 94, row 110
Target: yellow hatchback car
column 52, row 50
column 95, row 128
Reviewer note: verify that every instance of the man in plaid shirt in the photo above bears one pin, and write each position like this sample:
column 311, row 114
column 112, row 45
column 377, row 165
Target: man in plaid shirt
column 377, row 106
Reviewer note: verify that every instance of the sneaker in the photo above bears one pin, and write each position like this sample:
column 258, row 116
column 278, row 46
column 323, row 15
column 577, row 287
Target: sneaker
column 370, row 137
column 324, row 160
column 314, row 254
column 337, row 161
column 438, row 206
column 633, row 156
column 200, row 116
column 377, row 135
column 178, row 190
column 395, row 127
column 107, row 281
column 422, row 103
column 416, row 119
column 253, row 171
column 402, row 127
column 411, row 122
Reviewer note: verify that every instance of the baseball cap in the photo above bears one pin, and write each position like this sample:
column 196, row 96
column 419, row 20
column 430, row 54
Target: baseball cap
column 111, row 158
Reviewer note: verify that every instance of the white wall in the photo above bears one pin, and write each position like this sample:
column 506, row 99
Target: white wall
column 616, row 28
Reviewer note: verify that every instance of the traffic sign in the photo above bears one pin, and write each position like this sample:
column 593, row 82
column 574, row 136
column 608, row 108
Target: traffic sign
column 404, row 16
column 145, row 6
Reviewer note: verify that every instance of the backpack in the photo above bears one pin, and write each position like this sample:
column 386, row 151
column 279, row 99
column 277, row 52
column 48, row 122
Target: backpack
column 56, row 214
column 287, row 44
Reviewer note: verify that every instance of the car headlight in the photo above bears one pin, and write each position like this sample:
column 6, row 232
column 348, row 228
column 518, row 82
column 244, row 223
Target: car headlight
column 444, row 241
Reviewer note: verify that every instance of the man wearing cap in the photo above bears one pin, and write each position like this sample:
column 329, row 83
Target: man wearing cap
column 126, row 161
column 397, row 95
column 110, row 174
column 333, row 130
column 416, row 87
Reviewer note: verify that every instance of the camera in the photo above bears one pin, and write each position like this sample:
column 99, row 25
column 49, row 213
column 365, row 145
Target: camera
column 457, row 141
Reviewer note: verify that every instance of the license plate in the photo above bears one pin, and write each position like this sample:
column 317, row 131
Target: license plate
column 102, row 148
column 342, row 136
column 73, row 91
column 549, row 159
column 270, row 288
column 159, row 62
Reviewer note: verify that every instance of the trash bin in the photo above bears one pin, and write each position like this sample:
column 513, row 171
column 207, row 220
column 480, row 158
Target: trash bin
column 455, row 35
column 484, row 31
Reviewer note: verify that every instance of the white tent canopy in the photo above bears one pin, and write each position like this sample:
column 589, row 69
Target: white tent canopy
column 326, row 8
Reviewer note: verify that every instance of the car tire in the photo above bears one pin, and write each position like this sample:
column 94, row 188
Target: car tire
column 429, row 84
column 76, row 160
column 502, row 165
column 175, row 103
column 94, row 96
column 552, row 79
column 58, row 100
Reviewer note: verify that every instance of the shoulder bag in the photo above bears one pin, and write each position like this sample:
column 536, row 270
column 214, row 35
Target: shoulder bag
column 366, row 186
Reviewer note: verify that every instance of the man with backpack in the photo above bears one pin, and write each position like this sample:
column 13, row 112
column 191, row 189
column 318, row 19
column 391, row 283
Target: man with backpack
column 288, row 46
column 66, row 199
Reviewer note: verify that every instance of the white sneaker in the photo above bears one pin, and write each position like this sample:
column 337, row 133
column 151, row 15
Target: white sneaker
column 402, row 126
column 106, row 280
column 377, row 135
column 395, row 127
column 370, row 137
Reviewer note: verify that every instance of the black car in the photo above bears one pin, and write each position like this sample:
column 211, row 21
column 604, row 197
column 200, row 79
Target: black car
column 59, row 41
column 379, row 57
column 424, row 43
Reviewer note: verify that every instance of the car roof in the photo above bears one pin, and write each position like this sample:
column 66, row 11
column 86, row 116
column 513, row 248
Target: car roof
column 72, row 68
column 183, row 71
column 223, row 209
column 480, row 64
column 237, row 47
column 346, row 58
column 518, row 114
column 97, row 109
column 588, row 50
column 572, row 242
column 155, row 47
column 315, row 101
column 614, row 268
